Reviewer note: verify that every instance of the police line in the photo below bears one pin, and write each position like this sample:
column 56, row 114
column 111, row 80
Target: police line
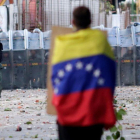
column 25, row 56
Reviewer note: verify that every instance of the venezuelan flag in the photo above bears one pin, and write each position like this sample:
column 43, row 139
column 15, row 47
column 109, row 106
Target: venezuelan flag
column 2, row 2
column 83, row 78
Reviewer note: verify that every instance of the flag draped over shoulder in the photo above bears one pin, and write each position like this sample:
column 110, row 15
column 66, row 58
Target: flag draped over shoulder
column 83, row 79
column 2, row 2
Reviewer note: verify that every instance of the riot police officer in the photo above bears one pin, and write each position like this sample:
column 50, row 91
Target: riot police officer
column 1, row 48
column 6, row 71
column 128, row 67
column 35, row 70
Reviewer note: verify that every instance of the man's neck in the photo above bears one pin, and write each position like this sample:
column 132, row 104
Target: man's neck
column 76, row 29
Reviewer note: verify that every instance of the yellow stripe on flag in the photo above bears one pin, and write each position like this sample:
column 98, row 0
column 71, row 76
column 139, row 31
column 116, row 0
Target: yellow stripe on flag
column 81, row 44
column 2, row 2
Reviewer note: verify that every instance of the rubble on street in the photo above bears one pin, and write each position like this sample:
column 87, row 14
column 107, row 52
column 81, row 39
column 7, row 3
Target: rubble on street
column 23, row 114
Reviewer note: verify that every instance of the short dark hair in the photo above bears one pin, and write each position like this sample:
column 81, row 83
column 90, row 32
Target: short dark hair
column 82, row 17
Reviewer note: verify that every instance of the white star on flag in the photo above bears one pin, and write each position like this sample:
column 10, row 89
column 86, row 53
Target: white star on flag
column 89, row 67
column 61, row 73
column 68, row 67
column 57, row 81
column 79, row 65
column 97, row 73
column 55, row 90
column 101, row 81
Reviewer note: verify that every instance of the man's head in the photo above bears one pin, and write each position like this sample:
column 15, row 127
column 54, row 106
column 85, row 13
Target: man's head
column 33, row 52
column 5, row 55
column 81, row 17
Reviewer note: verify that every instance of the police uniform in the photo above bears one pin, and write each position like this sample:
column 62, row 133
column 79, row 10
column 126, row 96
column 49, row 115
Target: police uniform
column 1, row 48
column 6, row 72
column 128, row 69
column 35, row 75
column 19, row 71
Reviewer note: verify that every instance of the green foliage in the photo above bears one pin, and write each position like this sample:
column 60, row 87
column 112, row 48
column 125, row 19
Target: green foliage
column 122, row 112
column 120, row 127
column 36, row 136
column 10, row 136
column 118, row 116
column 123, row 105
column 108, row 138
column 108, row 7
column 7, row 109
column 122, row 6
column 115, row 101
column 113, row 129
column 122, row 138
column 28, row 123
column 116, row 135
column 116, row 129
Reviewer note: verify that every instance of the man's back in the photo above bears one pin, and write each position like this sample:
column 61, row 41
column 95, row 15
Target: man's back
column 84, row 79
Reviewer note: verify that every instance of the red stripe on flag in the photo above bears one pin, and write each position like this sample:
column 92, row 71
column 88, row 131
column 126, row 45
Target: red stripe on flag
column 86, row 108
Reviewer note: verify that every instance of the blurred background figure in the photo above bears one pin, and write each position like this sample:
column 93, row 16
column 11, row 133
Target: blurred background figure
column 1, row 48
column 19, row 70
column 127, row 67
column 6, row 71
column 129, row 54
column 35, row 69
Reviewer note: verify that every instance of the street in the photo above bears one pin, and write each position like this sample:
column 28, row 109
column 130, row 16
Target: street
column 27, row 109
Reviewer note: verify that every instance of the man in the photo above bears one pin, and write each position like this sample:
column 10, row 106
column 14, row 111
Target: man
column 35, row 70
column 83, row 78
column 1, row 48
column 127, row 68
column 6, row 76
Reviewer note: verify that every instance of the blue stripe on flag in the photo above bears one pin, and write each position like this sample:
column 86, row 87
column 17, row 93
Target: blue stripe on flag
column 82, row 74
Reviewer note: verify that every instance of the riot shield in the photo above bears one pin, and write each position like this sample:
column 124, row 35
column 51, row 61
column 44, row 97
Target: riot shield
column 137, row 65
column 137, row 35
column 19, row 69
column 46, row 43
column 19, row 61
column 46, row 40
column 34, row 41
column 18, row 41
column 127, row 63
column 116, row 54
column 4, row 40
column 112, row 36
column 6, row 62
column 127, row 60
column 35, row 76
column 112, row 39
column 7, row 70
column 46, row 54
